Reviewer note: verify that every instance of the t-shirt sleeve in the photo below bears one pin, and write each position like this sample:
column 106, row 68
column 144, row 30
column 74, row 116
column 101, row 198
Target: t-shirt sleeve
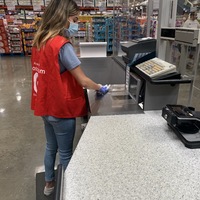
column 68, row 59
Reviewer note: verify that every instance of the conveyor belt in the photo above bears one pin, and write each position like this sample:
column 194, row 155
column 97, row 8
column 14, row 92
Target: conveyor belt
column 103, row 70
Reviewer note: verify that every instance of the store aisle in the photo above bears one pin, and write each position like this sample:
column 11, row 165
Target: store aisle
column 22, row 138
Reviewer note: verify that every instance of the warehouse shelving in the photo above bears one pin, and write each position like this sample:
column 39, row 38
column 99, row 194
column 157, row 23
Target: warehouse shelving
column 28, row 35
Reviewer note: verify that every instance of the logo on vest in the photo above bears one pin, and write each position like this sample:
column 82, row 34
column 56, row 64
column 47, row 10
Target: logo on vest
column 36, row 67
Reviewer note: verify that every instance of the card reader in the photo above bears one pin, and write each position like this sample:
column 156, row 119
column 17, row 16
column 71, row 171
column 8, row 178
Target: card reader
column 185, row 122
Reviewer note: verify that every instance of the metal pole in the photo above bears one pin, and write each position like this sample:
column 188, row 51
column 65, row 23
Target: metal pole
column 166, row 18
column 149, row 14
column 196, row 59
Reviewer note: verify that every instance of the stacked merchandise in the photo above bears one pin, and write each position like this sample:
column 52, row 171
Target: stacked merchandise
column 101, row 4
column 110, row 3
column 153, row 28
column 117, row 31
column 46, row 2
column 94, row 28
column 142, row 22
column 109, row 34
column 88, row 31
column 15, row 39
column 103, row 31
column 10, row 36
column 99, row 29
column 28, row 32
column 84, row 32
column 130, row 29
column 37, row 5
column 84, row 27
column 88, row 3
column 24, row 2
column 126, row 28
column 2, row 13
column 11, row 4
column 4, row 44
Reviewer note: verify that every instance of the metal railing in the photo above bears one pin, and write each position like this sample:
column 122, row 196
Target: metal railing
column 59, row 183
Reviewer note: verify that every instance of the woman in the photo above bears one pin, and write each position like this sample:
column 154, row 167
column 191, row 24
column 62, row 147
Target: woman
column 192, row 21
column 57, row 83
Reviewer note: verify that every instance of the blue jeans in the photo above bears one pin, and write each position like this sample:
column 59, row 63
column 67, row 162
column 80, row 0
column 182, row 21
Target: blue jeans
column 59, row 137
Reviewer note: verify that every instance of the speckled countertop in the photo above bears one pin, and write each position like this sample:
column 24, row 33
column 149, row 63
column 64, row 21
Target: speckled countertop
column 132, row 157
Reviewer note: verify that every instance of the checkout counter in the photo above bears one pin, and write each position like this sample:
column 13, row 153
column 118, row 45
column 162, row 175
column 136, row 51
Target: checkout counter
column 137, row 157
column 126, row 156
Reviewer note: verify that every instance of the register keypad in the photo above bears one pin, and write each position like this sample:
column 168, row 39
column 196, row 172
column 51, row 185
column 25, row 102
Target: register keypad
column 150, row 68
column 156, row 67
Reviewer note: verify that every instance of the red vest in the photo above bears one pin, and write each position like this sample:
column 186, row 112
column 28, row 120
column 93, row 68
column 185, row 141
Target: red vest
column 54, row 94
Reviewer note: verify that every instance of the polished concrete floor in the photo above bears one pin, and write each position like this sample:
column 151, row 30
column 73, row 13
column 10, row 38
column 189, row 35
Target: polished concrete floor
column 22, row 139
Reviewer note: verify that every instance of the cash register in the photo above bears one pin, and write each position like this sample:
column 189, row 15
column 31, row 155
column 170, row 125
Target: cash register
column 159, row 79
column 185, row 122
column 137, row 49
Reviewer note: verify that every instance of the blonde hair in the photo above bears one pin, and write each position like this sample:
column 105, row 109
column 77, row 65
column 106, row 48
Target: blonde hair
column 54, row 20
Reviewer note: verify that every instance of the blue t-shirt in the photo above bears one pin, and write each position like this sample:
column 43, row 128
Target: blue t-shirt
column 68, row 59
